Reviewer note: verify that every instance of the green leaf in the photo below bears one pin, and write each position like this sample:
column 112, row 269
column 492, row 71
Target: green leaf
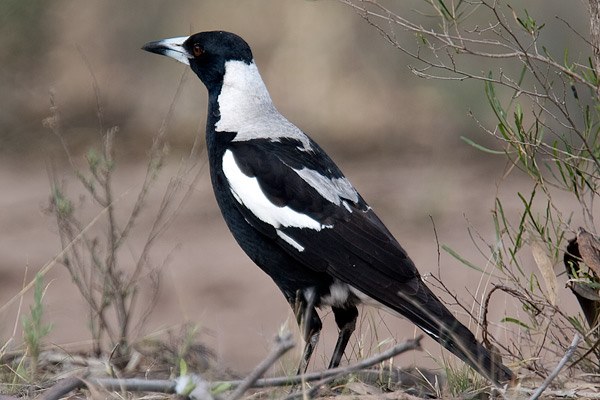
column 183, row 367
column 445, row 11
column 516, row 322
column 480, row 147
column 518, row 115
column 220, row 388
column 461, row 259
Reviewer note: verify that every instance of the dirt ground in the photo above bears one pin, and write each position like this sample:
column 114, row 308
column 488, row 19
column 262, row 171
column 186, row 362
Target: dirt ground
column 208, row 279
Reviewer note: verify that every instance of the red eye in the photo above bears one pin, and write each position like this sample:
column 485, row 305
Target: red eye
column 197, row 50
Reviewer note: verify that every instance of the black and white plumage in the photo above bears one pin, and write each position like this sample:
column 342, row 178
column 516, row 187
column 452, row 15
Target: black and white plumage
column 296, row 215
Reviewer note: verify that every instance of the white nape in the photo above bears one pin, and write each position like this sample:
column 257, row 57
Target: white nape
column 246, row 107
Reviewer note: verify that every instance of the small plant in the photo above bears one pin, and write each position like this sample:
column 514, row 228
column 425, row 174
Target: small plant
column 105, row 269
column 34, row 329
column 462, row 382
column 182, row 347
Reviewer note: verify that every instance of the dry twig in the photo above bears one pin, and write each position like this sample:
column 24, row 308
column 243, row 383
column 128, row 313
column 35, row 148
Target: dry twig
column 412, row 344
column 61, row 388
column 559, row 367
column 283, row 344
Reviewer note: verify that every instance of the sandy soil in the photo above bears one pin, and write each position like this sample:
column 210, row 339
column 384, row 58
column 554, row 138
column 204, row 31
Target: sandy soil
column 210, row 281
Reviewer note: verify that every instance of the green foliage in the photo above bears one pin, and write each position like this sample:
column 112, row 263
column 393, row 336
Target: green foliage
column 546, row 124
column 559, row 154
column 463, row 382
column 189, row 338
column 529, row 24
column 183, row 367
column 62, row 204
column 516, row 321
column 220, row 388
column 34, row 329
column 450, row 11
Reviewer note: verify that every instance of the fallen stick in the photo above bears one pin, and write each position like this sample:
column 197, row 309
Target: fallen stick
column 568, row 354
column 168, row 386
column 283, row 344
column 407, row 345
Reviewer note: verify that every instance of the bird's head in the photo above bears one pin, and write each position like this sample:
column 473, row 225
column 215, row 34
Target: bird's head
column 206, row 53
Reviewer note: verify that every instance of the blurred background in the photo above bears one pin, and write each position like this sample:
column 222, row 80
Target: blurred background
column 396, row 136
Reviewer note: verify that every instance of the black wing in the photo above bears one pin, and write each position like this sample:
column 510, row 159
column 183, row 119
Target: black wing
column 354, row 245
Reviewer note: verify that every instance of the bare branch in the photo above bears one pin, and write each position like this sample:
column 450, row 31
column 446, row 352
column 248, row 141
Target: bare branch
column 568, row 354
column 412, row 344
column 283, row 344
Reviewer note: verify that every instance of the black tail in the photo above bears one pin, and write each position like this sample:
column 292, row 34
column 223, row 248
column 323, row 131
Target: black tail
column 426, row 311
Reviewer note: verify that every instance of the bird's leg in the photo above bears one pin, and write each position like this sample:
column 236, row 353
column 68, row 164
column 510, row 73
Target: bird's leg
column 345, row 318
column 311, row 343
column 310, row 326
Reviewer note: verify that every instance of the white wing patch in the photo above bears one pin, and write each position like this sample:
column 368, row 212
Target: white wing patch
column 334, row 190
column 247, row 192
column 290, row 241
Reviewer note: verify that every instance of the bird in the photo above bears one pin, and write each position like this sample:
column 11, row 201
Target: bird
column 296, row 215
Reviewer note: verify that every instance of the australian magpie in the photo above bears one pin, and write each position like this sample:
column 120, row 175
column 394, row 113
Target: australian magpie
column 297, row 216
